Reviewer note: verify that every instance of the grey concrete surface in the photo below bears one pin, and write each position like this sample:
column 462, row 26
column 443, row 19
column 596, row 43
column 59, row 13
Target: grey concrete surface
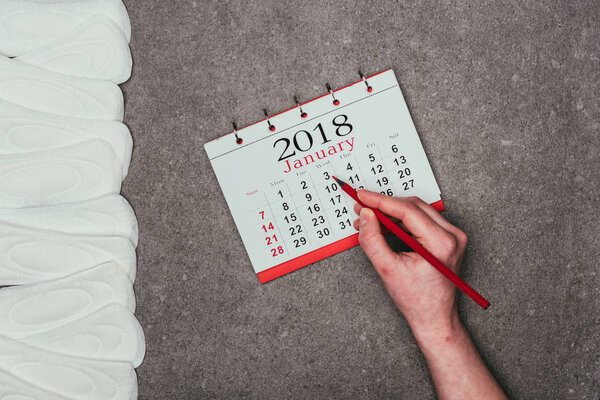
column 505, row 96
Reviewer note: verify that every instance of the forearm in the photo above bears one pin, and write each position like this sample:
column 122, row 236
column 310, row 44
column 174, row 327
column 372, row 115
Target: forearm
column 457, row 370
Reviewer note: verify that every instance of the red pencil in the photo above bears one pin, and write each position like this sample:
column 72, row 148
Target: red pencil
column 413, row 244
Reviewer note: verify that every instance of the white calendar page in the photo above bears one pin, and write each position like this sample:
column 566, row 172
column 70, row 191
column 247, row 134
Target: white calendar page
column 278, row 180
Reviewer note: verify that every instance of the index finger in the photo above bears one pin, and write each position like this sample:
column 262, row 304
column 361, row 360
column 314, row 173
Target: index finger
column 419, row 223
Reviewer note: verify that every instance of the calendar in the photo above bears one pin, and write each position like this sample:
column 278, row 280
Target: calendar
column 276, row 174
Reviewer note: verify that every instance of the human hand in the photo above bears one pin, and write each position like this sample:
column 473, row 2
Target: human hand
column 423, row 295
column 426, row 298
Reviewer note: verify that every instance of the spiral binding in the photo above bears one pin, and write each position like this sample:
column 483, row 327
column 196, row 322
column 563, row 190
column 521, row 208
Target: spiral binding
column 336, row 102
column 303, row 114
column 271, row 126
column 238, row 139
column 369, row 88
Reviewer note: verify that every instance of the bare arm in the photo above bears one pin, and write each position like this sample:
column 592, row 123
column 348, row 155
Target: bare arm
column 424, row 296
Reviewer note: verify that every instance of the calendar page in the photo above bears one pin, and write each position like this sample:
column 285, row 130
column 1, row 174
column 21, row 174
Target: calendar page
column 276, row 174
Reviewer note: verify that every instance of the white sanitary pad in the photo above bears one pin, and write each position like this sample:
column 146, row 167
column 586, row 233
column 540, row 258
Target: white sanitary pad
column 50, row 92
column 79, row 172
column 29, row 256
column 30, row 309
column 13, row 388
column 72, row 377
column 23, row 130
column 28, row 24
column 95, row 49
column 109, row 215
column 111, row 333
column 67, row 238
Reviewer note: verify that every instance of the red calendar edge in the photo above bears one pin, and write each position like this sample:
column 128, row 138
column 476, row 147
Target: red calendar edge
column 319, row 254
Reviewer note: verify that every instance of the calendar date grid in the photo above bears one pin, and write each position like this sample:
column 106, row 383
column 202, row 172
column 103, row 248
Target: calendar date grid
column 331, row 188
column 390, row 175
column 330, row 205
column 308, row 215
column 308, row 210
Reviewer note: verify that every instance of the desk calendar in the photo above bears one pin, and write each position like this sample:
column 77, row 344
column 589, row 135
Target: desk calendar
column 276, row 174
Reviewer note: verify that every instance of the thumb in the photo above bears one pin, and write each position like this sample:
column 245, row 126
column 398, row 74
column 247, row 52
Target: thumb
column 372, row 241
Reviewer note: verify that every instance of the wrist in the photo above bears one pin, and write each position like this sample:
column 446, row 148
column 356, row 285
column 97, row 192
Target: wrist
column 441, row 331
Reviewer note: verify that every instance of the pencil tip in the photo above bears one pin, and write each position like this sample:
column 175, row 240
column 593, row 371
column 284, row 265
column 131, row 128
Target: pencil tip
column 341, row 182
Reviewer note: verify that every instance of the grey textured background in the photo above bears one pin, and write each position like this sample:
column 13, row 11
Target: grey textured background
column 505, row 96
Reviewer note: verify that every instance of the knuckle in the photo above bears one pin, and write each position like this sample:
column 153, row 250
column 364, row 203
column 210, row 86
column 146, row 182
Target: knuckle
column 410, row 200
column 408, row 205
column 418, row 201
column 449, row 243
column 367, row 240
column 367, row 243
column 461, row 237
